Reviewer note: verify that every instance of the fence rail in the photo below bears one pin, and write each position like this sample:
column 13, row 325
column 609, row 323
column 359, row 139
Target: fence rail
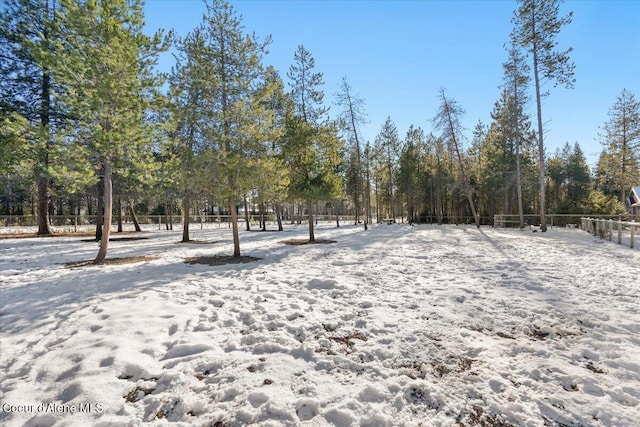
column 553, row 220
column 88, row 220
column 624, row 231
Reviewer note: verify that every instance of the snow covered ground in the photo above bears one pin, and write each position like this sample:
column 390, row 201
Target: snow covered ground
column 398, row 325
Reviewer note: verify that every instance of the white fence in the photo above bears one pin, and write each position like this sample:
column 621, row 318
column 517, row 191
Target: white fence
column 624, row 232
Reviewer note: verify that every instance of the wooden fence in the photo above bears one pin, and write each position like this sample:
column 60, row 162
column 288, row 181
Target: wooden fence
column 624, row 231
column 553, row 220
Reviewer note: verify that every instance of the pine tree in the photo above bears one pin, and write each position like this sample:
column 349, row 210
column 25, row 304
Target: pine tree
column 311, row 143
column 569, row 180
column 448, row 120
column 536, row 26
column 387, row 149
column 515, row 82
column 353, row 116
column 622, row 142
column 235, row 115
column 192, row 87
column 270, row 175
column 27, row 45
column 409, row 170
column 106, row 62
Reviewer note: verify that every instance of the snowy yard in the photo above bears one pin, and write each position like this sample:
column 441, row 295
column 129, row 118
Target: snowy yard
column 398, row 325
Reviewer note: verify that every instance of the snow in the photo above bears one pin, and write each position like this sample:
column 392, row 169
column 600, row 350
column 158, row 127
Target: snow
column 397, row 325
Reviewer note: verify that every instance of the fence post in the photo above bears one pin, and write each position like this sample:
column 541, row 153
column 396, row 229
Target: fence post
column 619, row 232
column 633, row 227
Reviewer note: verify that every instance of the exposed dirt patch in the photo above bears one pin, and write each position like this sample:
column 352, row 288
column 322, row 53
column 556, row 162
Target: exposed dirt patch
column 113, row 261
column 297, row 242
column 197, row 242
column 220, row 260
column 118, row 239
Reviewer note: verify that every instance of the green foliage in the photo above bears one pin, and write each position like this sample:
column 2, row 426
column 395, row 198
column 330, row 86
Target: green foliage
column 569, row 182
column 621, row 161
column 537, row 25
column 306, row 93
column 312, row 157
column 600, row 203
column 386, row 151
column 311, row 144
column 14, row 139
column 106, row 63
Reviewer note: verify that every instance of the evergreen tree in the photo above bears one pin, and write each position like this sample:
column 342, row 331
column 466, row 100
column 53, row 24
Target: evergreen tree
column 311, row 143
column 353, row 116
column 106, row 62
column 409, row 172
column 387, row 149
column 236, row 116
column 515, row 82
column 622, row 142
column 192, row 88
column 448, row 120
column 27, row 46
column 536, row 27
column 569, row 182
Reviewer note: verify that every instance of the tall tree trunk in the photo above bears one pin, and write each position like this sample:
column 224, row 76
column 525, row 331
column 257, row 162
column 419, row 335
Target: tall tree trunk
column 186, row 206
column 166, row 216
column 100, row 208
column 519, row 175
column 279, row 216
column 246, row 214
column 134, row 218
column 119, row 211
column 45, row 117
column 234, row 222
column 262, row 217
column 543, row 219
column 465, row 181
column 377, row 202
column 312, row 237
column 171, row 216
column 108, row 206
column 43, row 207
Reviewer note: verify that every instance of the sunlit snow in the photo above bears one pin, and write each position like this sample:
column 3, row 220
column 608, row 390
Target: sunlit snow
column 398, row 325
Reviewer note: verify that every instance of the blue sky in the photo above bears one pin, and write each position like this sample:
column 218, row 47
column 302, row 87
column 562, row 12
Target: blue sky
column 398, row 54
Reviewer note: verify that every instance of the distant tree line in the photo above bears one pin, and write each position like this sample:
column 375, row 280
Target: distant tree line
column 88, row 125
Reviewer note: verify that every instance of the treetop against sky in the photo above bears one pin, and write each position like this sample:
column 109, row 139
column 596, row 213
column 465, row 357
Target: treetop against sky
column 398, row 54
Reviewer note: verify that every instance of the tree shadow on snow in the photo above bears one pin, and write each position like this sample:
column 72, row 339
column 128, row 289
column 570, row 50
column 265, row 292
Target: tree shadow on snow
column 220, row 260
